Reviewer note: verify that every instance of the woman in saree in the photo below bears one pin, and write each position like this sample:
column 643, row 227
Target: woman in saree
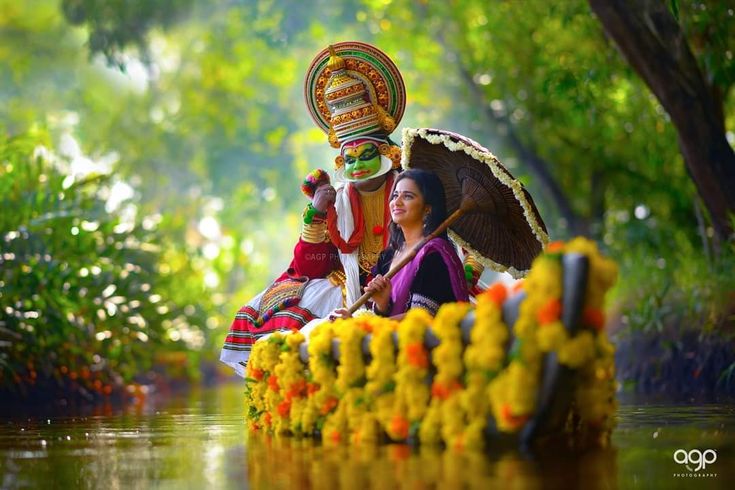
column 435, row 275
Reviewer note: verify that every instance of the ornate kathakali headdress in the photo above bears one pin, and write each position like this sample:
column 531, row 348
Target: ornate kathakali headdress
column 354, row 91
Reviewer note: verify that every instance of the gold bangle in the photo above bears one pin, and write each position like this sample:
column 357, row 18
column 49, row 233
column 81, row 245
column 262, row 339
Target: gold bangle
column 315, row 232
column 472, row 261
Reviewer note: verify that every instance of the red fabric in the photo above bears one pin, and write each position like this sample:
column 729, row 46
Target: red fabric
column 357, row 234
column 243, row 332
column 355, row 239
column 312, row 260
column 386, row 207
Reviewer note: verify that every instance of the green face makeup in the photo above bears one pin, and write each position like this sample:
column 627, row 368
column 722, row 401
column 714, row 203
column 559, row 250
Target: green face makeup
column 362, row 162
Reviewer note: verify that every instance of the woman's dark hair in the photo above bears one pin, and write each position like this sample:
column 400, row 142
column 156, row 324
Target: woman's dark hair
column 432, row 191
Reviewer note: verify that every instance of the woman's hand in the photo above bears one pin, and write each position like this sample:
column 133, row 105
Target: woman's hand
column 324, row 198
column 380, row 288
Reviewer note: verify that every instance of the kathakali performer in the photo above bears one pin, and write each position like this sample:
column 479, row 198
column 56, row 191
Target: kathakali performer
column 356, row 95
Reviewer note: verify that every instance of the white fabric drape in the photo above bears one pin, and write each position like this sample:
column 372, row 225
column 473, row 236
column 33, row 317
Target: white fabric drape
column 346, row 225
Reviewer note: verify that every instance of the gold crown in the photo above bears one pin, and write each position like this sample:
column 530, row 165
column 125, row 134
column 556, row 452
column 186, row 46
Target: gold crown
column 353, row 89
column 353, row 114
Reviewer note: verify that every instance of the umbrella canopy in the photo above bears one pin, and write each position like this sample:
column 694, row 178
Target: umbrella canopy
column 502, row 227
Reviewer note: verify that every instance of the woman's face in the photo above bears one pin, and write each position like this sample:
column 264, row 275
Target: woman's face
column 407, row 205
column 362, row 161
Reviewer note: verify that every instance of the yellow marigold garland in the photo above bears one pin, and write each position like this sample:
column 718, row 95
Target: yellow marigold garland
column 292, row 383
column 263, row 388
column 412, row 393
column 595, row 400
column 380, row 386
column 483, row 360
column 444, row 416
column 346, row 420
column 323, row 397
column 512, row 394
column 353, row 402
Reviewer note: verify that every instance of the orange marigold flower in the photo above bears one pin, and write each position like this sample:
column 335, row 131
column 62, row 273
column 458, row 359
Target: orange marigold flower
column 550, row 312
column 365, row 326
column 442, row 391
column 273, row 382
column 329, row 405
column 513, row 420
column 312, row 388
column 417, row 355
column 399, row 426
column 267, row 418
column 439, row 391
column 256, row 373
column 555, row 247
column 335, row 436
column 594, row 317
column 284, row 408
column 498, row 293
column 298, row 389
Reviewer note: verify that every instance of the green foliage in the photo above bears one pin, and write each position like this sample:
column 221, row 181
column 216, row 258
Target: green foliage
column 709, row 26
column 667, row 283
column 116, row 24
column 85, row 292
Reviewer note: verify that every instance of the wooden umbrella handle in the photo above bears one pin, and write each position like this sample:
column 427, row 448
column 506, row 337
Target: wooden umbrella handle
column 411, row 254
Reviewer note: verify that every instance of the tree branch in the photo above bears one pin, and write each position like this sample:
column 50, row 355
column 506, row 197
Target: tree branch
column 653, row 43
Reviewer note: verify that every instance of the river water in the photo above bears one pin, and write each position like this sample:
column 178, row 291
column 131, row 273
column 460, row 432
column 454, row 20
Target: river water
column 199, row 441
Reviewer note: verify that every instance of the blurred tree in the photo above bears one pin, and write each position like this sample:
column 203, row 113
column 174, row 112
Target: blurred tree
column 655, row 43
column 37, row 50
column 115, row 25
column 89, row 294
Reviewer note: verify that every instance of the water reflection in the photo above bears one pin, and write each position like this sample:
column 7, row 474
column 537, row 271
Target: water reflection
column 281, row 463
column 185, row 445
column 199, row 441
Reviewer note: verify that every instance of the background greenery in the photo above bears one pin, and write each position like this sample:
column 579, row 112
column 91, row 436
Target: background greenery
column 151, row 151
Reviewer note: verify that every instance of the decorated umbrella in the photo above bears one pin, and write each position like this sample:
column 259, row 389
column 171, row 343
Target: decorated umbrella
column 494, row 216
column 491, row 213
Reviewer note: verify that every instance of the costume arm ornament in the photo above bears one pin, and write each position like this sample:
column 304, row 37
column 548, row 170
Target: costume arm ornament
column 473, row 269
column 314, row 229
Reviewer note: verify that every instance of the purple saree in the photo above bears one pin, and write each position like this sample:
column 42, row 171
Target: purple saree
column 401, row 283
